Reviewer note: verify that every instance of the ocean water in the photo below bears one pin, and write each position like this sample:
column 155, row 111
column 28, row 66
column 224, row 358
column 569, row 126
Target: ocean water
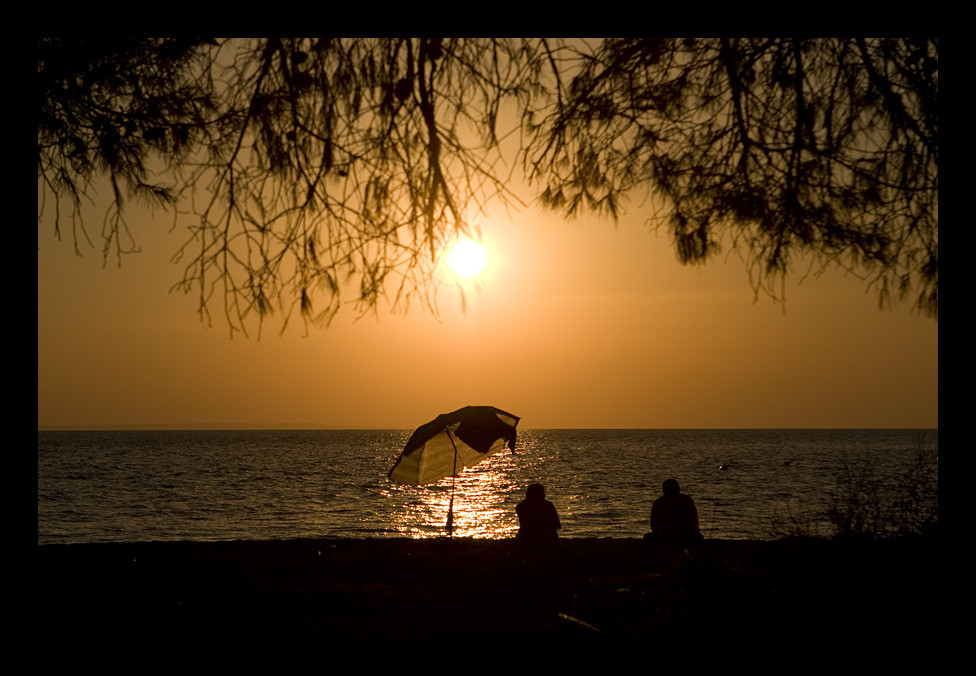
column 133, row 486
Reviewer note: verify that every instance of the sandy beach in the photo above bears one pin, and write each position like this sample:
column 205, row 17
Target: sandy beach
column 191, row 593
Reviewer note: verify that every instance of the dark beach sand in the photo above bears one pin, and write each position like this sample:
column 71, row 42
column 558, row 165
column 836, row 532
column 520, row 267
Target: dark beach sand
column 804, row 592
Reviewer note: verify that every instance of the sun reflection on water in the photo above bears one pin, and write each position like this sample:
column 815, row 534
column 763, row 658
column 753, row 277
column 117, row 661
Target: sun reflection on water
column 484, row 503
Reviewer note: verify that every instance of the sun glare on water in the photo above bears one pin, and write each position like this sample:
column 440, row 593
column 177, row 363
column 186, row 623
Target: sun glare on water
column 467, row 258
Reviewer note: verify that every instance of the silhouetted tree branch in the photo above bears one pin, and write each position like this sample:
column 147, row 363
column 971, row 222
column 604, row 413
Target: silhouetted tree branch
column 301, row 166
column 305, row 167
column 784, row 146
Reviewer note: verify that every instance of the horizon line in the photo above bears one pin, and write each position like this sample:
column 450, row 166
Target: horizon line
column 266, row 427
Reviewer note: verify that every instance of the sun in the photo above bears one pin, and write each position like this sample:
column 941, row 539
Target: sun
column 467, row 258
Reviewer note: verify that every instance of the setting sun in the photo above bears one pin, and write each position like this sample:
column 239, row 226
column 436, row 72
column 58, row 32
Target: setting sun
column 467, row 258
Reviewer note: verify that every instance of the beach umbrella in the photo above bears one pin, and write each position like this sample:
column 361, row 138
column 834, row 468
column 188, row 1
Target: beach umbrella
column 452, row 441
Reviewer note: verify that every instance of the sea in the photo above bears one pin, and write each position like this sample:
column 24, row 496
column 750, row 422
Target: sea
column 141, row 486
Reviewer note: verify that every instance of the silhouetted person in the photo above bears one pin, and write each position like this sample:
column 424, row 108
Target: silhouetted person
column 538, row 521
column 674, row 518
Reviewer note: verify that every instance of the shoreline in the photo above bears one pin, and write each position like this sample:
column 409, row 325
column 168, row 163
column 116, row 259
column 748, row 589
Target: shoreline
column 156, row 594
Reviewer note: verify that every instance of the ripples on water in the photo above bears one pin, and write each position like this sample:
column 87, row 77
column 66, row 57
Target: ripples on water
column 219, row 485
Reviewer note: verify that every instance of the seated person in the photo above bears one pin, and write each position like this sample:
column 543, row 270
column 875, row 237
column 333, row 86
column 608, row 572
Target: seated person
column 538, row 521
column 674, row 518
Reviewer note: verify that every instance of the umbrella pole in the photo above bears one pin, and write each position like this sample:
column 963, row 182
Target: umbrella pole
column 450, row 508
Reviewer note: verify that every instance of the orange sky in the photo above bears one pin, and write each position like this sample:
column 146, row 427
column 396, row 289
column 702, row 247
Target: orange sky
column 578, row 324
